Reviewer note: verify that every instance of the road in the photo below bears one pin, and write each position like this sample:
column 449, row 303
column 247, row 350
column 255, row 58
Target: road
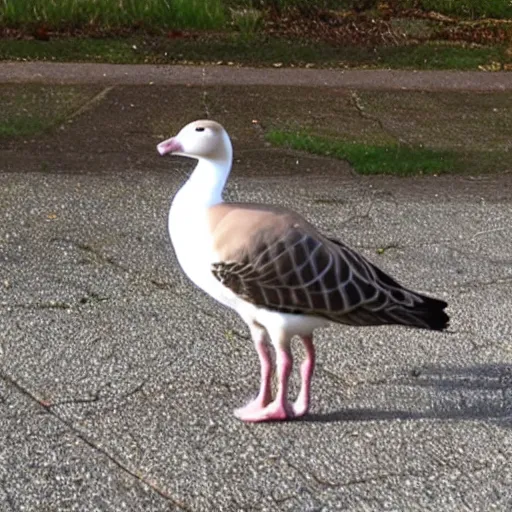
column 118, row 379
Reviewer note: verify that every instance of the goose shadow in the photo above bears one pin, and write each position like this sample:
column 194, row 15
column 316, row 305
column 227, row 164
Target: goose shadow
column 480, row 392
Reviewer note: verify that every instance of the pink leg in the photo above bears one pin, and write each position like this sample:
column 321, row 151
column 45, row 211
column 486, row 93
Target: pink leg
column 301, row 405
column 265, row 394
column 279, row 409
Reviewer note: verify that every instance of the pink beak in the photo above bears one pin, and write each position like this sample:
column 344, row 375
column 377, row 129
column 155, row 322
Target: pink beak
column 171, row 145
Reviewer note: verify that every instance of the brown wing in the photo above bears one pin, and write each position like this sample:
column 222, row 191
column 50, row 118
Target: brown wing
column 302, row 272
column 273, row 258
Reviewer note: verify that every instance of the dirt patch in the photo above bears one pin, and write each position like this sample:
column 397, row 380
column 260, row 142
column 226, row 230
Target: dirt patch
column 123, row 128
column 462, row 121
column 31, row 109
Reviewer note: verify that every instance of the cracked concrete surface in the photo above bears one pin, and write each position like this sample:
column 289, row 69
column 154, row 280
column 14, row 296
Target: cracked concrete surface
column 118, row 379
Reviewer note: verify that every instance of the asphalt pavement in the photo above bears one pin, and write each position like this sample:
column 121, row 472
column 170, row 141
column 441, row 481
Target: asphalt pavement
column 118, row 379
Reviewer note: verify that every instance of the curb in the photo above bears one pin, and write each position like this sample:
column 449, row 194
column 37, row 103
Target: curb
column 145, row 74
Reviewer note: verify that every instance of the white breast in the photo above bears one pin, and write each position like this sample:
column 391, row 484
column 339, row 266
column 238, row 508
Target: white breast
column 192, row 242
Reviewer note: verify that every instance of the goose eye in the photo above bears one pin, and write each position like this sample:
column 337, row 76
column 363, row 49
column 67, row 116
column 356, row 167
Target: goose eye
column 200, row 129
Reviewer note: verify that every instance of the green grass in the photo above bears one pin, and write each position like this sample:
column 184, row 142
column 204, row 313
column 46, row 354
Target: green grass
column 161, row 14
column 440, row 56
column 119, row 51
column 21, row 127
column 370, row 159
column 34, row 109
column 253, row 51
column 200, row 14
column 238, row 38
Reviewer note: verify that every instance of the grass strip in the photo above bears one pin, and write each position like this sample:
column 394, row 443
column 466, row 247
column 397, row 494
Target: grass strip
column 72, row 14
column 254, row 52
column 370, row 159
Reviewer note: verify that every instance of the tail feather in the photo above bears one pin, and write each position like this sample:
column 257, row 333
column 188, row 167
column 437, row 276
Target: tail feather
column 395, row 305
column 427, row 314
column 432, row 312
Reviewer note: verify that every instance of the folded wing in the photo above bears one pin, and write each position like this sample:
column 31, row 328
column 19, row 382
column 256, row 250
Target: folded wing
column 287, row 266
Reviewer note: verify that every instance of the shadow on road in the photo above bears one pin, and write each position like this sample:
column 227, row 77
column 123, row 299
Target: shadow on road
column 482, row 392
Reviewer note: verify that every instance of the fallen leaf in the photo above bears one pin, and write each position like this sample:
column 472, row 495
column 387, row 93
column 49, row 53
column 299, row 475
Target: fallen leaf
column 41, row 34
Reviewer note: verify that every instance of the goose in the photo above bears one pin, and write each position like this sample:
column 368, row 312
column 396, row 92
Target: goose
column 277, row 271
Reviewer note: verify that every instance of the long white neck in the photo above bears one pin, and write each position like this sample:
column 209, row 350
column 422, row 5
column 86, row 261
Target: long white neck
column 207, row 182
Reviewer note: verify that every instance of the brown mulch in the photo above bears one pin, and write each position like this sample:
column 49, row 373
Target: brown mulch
column 362, row 29
column 484, row 32
column 350, row 28
column 334, row 27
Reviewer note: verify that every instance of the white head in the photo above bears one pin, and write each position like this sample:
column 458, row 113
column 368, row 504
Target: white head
column 208, row 142
column 203, row 139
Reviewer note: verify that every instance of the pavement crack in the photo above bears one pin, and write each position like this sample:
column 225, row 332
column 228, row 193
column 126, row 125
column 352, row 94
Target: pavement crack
column 476, row 283
column 78, row 400
column 304, row 478
column 307, row 476
column 357, row 102
column 311, row 480
column 101, row 258
column 8, row 498
column 376, row 478
column 98, row 448
column 90, row 297
column 52, row 304
column 162, row 285
column 97, row 98
column 358, row 216
column 284, row 499
column 326, row 484
column 136, row 389
column 98, row 255
column 205, row 94
column 403, row 246
column 386, row 247
column 486, row 232
column 310, row 477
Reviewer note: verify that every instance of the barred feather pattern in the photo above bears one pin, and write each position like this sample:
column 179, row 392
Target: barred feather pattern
column 301, row 273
